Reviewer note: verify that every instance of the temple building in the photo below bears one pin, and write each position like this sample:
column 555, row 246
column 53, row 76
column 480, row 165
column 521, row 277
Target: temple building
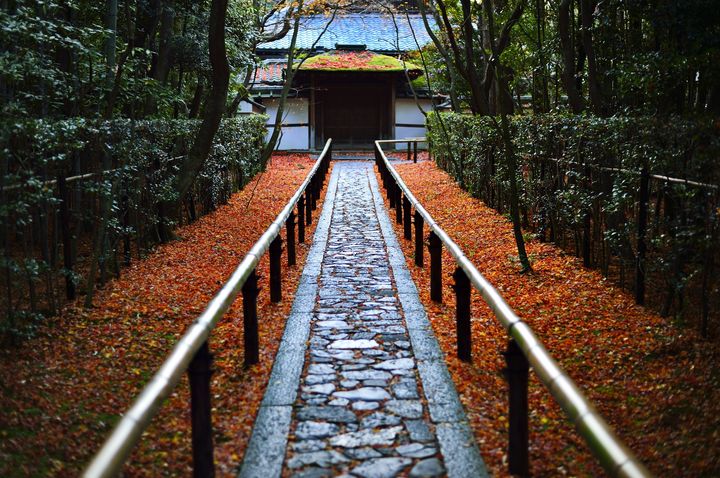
column 355, row 85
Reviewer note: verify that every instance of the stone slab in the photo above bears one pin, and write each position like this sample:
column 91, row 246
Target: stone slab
column 265, row 453
column 266, row 448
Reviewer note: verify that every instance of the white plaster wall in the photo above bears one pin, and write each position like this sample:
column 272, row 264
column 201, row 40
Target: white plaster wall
column 296, row 112
column 407, row 113
column 405, row 132
column 245, row 107
column 406, row 110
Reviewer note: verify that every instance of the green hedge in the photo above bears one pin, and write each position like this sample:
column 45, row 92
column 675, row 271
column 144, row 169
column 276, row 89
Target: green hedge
column 127, row 171
column 39, row 150
column 580, row 180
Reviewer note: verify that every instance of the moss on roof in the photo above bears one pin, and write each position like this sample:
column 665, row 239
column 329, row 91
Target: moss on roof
column 357, row 61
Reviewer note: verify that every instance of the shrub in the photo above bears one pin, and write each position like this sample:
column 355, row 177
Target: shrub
column 582, row 187
column 63, row 181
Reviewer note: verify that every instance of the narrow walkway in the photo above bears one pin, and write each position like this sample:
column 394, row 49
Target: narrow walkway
column 359, row 385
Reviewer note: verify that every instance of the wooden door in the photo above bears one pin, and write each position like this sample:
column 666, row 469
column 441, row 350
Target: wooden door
column 354, row 114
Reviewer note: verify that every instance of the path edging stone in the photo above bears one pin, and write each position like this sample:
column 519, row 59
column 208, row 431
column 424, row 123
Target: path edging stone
column 457, row 442
column 266, row 449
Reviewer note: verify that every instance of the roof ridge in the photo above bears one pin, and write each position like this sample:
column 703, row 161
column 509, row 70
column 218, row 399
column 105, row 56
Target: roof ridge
column 362, row 14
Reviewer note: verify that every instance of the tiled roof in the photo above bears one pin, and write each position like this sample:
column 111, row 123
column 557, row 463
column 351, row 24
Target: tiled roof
column 270, row 71
column 374, row 30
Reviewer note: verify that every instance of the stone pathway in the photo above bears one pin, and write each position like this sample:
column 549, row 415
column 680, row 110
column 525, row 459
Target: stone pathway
column 357, row 407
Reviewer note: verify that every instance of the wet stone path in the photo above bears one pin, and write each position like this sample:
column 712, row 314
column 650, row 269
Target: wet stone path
column 360, row 407
column 359, row 387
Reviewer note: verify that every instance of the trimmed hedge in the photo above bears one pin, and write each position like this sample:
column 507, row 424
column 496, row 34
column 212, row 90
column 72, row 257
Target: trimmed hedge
column 581, row 181
column 64, row 181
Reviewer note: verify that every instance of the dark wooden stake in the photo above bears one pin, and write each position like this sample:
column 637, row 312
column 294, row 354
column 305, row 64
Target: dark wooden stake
column 315, row 188
column 250, row 321
column 516, row 374
column 125, row 208
column 391, row 192
column 66, row 237
column 308, row 205
column 199, row 373
column 435, row 249
column 276, row 269
column 398, row 204
column 290, row 228
column 644, row 195
column 462, row 315
column 407, row 225
column 418, row 239
column 415, row 151
column 301, row 219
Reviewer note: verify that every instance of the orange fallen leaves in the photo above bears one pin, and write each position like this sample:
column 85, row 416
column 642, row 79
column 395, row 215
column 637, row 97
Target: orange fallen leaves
column 655, row 383
column 63, row 391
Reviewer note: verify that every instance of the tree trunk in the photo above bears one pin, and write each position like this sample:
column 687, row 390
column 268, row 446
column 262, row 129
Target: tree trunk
column 480, row 103
column 586, row 14
column 215, row 106
column 197, row 98
column 241, row 94
column 509, row 150
column 542, row 103
column 161, row 67
column 445, row 55
column 99, row 239
column 568, row 56
column 289, row 74
column 111, row 7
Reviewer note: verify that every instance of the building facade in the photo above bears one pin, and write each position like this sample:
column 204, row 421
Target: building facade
column 355, row 85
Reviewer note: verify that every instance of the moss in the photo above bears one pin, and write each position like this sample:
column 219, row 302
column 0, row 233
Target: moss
column 356, row 61
column 420, row 83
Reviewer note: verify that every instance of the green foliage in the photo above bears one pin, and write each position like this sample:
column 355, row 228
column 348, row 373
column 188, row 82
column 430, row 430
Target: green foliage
column 583, row 172
column 144, row 156
column 651, row 57
column 35, row 35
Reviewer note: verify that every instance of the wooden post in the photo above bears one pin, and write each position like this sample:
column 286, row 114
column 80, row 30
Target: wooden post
column 199, row 373
column 415, row 147
column 409, row 147
column 301, row 219
column 462, row 315
column 315, row 188
column 66, row 237
column 398, row 204
column 435, row 249
column 586, row 244
column 418, row 239
column 516, row 373
column 125, row 208
column 290, row 231
column 391, row 192
column 250, row 322
column 276, row 269
column 644, row 195
column 308, row 205
column 407, row 229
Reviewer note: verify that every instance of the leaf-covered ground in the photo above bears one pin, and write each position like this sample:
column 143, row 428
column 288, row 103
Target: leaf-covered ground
column 62, row 391
column 657, row 384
